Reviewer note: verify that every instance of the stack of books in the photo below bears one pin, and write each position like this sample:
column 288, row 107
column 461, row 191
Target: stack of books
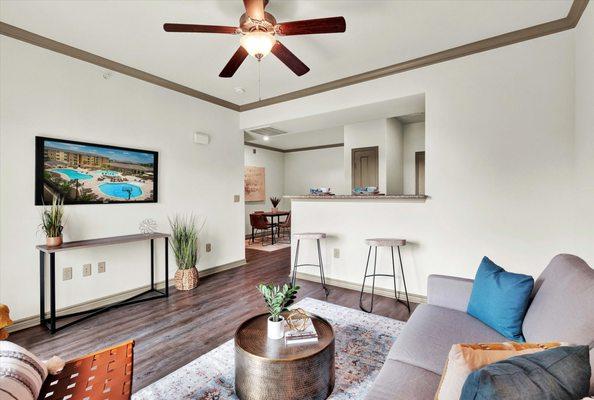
column 307, row 335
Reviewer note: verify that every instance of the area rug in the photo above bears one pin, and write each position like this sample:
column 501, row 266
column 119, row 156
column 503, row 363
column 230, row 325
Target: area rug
column 362, row 342
column 271, row 247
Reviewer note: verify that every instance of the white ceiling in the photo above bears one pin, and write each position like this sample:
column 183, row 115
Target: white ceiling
column 379, row 33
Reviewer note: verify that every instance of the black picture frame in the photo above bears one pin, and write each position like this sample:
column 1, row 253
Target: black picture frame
column 39, row 170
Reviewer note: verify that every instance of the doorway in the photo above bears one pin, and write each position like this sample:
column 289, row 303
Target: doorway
column 420, row 172
column 365, row 167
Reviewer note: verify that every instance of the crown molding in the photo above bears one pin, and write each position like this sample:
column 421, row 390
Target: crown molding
column 53, row 45
column 544, row 29
column 568, row 22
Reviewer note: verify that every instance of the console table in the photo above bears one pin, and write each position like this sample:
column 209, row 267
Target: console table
column 50, row 322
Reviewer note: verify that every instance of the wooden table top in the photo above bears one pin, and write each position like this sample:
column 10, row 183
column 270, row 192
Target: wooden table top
column 251, row 337
column 81, row 244
column 275, row 213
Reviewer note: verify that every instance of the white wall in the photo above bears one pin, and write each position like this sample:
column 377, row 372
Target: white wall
column 394, row 153
column 45, row 93
column 584, row 136
column 314, row 168
column 499, row 140
column 414, row 140
column 274, row 180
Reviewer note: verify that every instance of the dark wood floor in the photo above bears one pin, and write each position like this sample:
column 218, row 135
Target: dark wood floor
column 170, row 333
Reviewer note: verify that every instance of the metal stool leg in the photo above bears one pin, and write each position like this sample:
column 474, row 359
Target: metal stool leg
column 394, row 273
column 322, row 277
column 403, row 280
column 363, row 285
column 373, row 281
column 294, row 277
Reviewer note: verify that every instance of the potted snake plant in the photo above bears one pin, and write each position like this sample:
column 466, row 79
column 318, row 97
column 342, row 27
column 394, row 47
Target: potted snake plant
column 277, row 300
column 184, row 243
column 51, row 222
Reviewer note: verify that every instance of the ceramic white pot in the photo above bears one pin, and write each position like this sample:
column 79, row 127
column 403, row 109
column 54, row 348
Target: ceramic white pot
column 276, row 330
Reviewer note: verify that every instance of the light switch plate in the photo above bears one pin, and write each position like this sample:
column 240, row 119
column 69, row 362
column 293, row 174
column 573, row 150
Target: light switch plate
column 336, row 253
column 101, row 267
column 66, row 273
column 87, row 269
column 208, row 247
column 236, row 198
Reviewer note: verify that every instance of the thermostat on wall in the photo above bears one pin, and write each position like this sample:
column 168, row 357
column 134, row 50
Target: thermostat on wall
column 201, row 138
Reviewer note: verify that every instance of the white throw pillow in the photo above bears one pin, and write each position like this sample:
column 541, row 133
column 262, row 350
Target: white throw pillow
column 21, row 372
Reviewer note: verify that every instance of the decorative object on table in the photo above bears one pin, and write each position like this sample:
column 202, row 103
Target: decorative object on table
column 184, row 243
column 103, row 375
column 463, row 359
column 360, row 338
column 4, row 321
column 275, row 202
column 500, row 299
column 51, row 222
column 561, row 373
column 277, row 300
column 366, row 191
column 320, row 192
column 254, row 184
column 112, row 175
column 300, row 328
column 148, row 226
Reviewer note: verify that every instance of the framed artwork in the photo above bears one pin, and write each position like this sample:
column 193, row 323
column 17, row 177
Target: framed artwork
column 254, row 184
column 89, row 173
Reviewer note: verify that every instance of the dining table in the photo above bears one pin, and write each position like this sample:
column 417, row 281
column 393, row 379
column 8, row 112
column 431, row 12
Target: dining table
column 272, row 215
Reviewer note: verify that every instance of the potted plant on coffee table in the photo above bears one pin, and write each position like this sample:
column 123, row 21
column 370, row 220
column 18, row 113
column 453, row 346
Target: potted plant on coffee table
column 51, row 222
column 184, row 243
column 277, row 300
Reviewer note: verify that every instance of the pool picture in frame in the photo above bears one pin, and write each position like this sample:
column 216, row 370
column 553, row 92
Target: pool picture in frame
column 89, row 173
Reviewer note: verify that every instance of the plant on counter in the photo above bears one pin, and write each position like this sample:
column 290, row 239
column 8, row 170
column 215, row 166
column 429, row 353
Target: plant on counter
column 275, row 202
column 277, row 300
column 51, row 222
column 184, row 243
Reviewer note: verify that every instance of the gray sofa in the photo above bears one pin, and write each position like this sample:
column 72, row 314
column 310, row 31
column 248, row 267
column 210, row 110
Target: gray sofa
column 562, row 309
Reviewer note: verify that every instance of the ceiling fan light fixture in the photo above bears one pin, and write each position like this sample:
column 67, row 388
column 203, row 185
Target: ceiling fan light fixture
column 257, row 43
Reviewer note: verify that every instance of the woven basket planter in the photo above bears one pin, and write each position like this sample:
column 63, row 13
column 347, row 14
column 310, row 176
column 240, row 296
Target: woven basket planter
column 186, row 279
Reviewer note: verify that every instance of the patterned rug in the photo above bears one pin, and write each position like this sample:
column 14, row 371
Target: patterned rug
column 362, row 342
column 269, row 247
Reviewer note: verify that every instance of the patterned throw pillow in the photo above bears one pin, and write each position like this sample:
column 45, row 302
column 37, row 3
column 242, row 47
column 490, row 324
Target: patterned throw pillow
column 21, row 373
column 463, row 359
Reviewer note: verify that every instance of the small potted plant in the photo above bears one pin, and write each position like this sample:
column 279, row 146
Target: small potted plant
column 275, row 202
column 277, row 300
column 51, row 222
column 184, row 243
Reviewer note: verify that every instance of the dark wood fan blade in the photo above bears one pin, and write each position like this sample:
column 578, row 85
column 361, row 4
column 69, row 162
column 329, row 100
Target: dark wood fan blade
column 234, row 63
column 254, row 9
column 199, row 28
column 289, row 59
column 313, row 26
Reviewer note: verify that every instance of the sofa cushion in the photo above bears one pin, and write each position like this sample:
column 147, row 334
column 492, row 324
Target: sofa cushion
column 401, row 381
column 562, row 373
column 563, row 305
column 430, row 333
column 500, row 298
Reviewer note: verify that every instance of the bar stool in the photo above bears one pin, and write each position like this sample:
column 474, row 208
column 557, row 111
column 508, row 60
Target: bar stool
column 316, row 237
column 391, row 243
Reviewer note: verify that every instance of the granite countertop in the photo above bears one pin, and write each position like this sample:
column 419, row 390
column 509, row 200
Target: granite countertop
column 355, row 197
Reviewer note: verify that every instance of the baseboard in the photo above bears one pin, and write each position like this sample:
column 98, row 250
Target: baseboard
column 415, row 298
column 29, row 322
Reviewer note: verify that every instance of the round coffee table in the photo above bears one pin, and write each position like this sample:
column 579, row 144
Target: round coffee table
column 269, row 369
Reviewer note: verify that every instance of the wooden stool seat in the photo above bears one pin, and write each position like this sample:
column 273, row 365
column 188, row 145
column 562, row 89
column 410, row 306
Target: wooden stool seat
column 385, row 242
column 309, row 235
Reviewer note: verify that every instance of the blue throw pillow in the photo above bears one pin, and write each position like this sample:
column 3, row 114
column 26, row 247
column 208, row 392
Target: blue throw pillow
column 561, row 373
column 500, row 299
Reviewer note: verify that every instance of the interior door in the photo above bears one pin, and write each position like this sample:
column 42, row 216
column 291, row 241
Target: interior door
column 365, row 167
column 420, row 172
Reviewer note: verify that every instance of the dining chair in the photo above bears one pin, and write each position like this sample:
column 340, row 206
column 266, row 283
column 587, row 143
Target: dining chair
column 285, row 229
column 259, row 223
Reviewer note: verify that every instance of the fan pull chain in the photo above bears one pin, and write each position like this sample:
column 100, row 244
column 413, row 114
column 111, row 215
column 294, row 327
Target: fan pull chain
column 259, row 83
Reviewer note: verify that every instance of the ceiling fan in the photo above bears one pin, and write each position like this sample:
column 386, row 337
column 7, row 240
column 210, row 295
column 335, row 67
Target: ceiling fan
column 258, row 30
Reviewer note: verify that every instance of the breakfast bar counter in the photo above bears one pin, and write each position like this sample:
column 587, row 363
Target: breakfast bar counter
column 420, row 197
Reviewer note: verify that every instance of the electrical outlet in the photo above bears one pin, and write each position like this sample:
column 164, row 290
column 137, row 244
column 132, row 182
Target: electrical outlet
column 101, row 267
column 67, row 273
column 236, row 198
column 336, row 253
column 87, row 269
column 208, row 247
